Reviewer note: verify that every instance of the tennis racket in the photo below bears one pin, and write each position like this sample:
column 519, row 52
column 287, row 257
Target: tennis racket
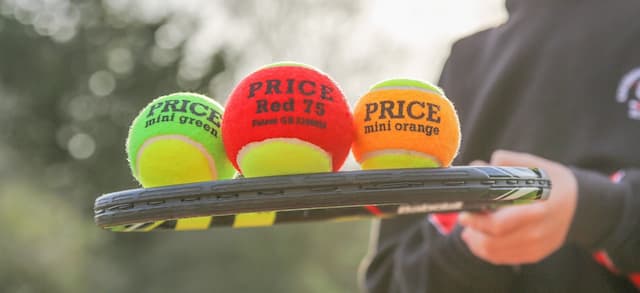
column 266, row 201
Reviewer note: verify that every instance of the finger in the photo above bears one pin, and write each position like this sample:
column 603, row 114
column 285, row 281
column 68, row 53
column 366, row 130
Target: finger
column 478, row 163
column 482, row 246
column 476, row 242
column 510, row 158
column 504, row 220
column 517, row 248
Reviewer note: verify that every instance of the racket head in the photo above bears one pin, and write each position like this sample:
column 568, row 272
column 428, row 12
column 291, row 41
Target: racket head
column 266, row 201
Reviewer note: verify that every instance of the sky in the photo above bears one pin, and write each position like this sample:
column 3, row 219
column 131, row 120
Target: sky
column 384, row 39
column 429, row 27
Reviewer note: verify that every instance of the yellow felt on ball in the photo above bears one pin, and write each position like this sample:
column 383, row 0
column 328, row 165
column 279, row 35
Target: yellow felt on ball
column 182, row 153
column 404, row 123
column 398, row 159
column 301, row 157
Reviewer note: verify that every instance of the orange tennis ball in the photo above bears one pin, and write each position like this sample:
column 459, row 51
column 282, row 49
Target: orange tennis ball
column 404, row 123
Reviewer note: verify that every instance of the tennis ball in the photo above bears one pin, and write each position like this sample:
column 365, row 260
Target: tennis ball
column 287, row 118
column 177, row 139
column 405, row 123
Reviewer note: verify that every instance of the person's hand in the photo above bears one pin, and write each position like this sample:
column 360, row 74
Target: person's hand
column 528, row 233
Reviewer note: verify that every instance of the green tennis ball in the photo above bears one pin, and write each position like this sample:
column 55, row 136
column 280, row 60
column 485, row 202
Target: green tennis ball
column 177, row 139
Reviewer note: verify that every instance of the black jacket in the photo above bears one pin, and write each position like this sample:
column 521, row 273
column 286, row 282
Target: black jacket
column 560, row 79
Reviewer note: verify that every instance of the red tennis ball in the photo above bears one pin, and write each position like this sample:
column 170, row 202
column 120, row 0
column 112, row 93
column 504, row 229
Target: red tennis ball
column 287, row 118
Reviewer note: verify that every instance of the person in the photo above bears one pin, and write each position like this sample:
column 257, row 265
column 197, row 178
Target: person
column 558, row 85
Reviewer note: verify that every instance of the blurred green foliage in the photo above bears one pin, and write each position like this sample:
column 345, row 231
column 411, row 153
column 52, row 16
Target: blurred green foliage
column 73, row 74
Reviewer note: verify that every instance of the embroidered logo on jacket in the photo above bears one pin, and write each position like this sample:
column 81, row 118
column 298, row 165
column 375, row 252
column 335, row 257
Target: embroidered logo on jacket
column 629, row 92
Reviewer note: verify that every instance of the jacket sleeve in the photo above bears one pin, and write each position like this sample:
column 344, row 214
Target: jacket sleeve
column 607, row 218
column 412, row 254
